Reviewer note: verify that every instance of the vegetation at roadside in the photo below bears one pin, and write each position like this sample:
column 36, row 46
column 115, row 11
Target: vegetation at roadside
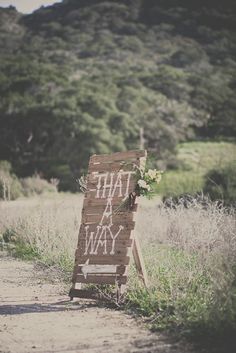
column 203, row 167
column 83, row 77
column 11, row 187
column 189, row 254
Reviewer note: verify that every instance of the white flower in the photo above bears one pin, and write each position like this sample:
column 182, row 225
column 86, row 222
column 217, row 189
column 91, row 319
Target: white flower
column 152, row 173
column 143, row 184
column 158, row 178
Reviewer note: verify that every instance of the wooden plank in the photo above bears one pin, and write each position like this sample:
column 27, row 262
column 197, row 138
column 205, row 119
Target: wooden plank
column 100, row 208
column 119, row 156
column 118, row 251
column 107, row 177
column 116, row 218
column 119, row 195
column 113, row 167
column 112, row 255
column 127, row 225
column 102, row 260
column 104, row 192
column 139, row 262
column 120, row 269
column 101, row 279
column 120, row 243
column 86, row 293
column 100, row 202
column 126, row 236
column 95, row 177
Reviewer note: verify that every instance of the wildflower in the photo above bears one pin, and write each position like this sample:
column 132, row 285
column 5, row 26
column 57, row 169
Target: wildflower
column 152, row 173
column 143, row 184
column 158, row 178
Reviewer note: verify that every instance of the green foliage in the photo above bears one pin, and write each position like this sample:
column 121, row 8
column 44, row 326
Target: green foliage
column 195, row 160
column 25, row 251
column 175, row 183
column 10, row 186
column 220, row 184
column 182, row 295
column 79, row 78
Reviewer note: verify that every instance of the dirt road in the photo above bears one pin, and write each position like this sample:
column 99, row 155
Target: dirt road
column 36, row 316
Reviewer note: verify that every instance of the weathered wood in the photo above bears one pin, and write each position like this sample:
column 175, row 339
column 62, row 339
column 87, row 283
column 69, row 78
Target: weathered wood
column 116, row 219
column 101, row 279
column 120, row 269
column 121, row 252
column 86, row 293
column 127, row 225
column 111, row 167
column 120, row 193
column 120, row 243
column 106, row 235
column 103, row 260
column 139, row 262
column 103, row 178
column 100, row 202
column 99, row 208
column 119, row 156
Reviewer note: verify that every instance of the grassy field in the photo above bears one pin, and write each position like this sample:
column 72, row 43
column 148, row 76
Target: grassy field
column 195, row 160
column 189, row 253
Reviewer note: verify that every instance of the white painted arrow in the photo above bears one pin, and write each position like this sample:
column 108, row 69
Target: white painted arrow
column 89, row 269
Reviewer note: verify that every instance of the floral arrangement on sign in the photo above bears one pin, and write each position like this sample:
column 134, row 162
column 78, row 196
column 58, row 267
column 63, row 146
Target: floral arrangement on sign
column 147, row 181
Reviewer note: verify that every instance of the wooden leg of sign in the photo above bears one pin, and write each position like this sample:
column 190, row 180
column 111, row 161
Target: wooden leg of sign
column 74, row 288
column 119, row 291
column 139, row 263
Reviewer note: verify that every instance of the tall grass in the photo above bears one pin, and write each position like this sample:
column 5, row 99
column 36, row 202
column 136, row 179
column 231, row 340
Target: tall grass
column 195, row 160
column 190, row 254
column 43, row 228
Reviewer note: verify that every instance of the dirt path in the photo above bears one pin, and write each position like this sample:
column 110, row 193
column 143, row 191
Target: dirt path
column 36, row 316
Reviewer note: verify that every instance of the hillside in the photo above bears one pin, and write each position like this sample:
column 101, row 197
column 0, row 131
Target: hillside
column 83, row 77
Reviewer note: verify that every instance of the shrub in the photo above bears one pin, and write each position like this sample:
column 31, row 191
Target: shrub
column 220, row 184
column 37, row 186
column 10, row 186
column 176, row 183
column 190, row 259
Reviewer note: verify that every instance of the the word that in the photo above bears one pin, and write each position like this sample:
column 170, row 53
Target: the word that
column 112, row 184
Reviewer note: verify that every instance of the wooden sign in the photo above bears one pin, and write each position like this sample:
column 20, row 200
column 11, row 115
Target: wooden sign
column 106, row 237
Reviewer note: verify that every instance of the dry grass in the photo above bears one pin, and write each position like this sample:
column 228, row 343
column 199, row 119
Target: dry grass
column 49, row 225
column 190, row 255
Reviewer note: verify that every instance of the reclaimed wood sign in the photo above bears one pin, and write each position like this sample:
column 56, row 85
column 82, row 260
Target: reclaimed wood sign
column 106, row 239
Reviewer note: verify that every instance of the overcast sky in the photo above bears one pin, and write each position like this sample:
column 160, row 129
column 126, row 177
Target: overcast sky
column 27, row 6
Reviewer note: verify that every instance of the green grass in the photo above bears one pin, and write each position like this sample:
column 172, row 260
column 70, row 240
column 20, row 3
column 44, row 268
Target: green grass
column 203, row 156
column 196, row 159
column 190, row 253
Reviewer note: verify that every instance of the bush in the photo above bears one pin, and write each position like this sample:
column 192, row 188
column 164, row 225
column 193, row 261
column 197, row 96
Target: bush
column 36, row 186
column 190, row 256
column 176, row 183
column 220, row 184
column 10, row 186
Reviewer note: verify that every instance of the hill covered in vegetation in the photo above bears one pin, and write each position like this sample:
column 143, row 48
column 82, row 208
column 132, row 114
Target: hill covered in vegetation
column 83, row 77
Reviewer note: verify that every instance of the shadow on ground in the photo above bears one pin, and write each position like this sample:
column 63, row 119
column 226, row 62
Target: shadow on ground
column 43, row 308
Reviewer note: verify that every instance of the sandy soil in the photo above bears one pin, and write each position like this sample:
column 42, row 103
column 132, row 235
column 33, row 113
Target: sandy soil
column 36, row 316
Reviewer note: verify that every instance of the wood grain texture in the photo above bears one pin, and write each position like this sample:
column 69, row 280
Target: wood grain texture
column 119, row 156
column 101, row 279
column 106, row 232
